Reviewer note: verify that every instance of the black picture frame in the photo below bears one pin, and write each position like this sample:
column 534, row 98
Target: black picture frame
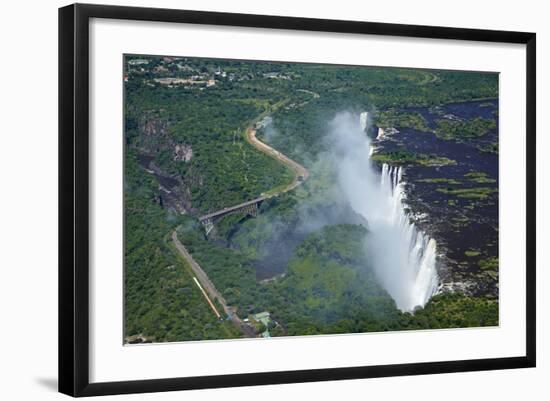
column 74, row 198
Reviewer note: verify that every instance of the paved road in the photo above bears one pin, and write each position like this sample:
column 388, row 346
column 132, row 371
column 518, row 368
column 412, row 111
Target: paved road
column 209, row 287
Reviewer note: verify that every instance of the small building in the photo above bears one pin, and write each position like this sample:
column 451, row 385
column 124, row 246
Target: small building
column 271, row 75
column 138, row 61
column 263, row 317
column 275, row 75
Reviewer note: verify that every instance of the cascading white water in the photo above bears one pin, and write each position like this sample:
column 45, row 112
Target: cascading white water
column 363, row 120
column 404, row 258
column 413, row 254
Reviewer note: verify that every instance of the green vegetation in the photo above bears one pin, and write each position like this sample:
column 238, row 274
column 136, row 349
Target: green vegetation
column 401, row 119
column 489, row 148
column 472, row 252
column 223, row 169
column 187, row 119
column 406, row 157
column 231, row 272
column 330, row 288
column 468, row 193
column 479, row 178
column 462, row 130
column 455, row 310
column 488, row 264
column 161, row 300
column 449, row 181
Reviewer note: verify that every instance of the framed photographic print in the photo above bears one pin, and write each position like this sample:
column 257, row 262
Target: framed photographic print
column 249, row 199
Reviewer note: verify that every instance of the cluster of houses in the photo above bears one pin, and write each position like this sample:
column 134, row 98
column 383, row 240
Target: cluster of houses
column 176, row 72
column 172, row 72
column 194, row 80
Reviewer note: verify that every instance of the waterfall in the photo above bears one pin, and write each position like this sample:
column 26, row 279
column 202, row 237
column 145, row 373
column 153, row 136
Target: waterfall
column 403, row 257
column 363, row 119
column 412, row 254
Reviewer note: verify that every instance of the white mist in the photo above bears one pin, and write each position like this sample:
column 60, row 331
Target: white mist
column 403, row 257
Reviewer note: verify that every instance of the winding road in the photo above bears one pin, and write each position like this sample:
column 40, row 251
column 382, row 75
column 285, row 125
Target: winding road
column 301, row 174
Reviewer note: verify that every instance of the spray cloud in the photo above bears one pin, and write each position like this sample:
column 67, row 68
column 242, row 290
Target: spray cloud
column 403, row 258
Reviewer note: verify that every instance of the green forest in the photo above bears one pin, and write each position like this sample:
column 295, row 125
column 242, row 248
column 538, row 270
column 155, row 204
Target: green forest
column 187, row 154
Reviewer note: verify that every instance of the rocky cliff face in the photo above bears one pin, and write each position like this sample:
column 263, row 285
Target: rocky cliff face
column 153, row 134
column 183, row 153
column 175, row 189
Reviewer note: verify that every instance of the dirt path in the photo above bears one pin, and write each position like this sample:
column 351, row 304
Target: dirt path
column 300, row 172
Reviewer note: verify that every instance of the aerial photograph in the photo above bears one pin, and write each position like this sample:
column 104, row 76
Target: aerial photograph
column 269, row 199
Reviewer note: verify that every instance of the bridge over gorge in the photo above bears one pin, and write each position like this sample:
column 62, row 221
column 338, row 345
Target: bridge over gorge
column 251, row 207
column 246, row 208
